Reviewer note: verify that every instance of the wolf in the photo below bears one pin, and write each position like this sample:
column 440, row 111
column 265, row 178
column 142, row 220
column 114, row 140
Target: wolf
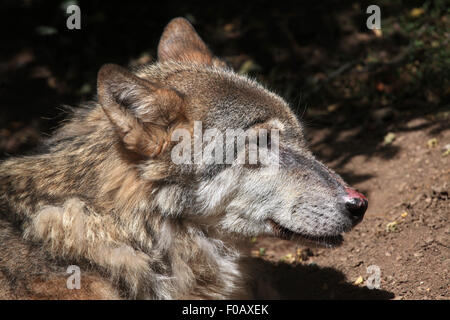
column 103, row 192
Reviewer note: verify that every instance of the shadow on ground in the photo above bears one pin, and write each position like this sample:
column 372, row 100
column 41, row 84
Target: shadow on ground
column 312, row 282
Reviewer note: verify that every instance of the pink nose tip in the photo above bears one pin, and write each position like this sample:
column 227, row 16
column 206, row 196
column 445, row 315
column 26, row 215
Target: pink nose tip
column 355, row 202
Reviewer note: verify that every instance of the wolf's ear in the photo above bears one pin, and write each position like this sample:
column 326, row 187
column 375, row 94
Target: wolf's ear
column 179, row 42
column 141, row 112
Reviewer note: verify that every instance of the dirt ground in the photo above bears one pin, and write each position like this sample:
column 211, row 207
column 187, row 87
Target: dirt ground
column 375, row 106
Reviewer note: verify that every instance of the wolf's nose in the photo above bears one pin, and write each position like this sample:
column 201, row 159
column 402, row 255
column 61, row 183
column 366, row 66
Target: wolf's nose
column 356, row 203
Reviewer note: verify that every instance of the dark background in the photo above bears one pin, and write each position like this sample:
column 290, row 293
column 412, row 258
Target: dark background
column 319, row 55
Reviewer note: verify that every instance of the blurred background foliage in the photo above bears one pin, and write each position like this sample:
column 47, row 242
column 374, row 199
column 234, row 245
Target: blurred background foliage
column 319, row 55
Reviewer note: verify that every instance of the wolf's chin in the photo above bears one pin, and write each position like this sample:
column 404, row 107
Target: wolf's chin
column 329, row 241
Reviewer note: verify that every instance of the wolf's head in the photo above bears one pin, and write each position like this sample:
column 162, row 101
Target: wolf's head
column 185, row 106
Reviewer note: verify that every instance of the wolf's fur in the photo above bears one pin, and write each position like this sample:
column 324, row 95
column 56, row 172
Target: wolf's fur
column 104, row 193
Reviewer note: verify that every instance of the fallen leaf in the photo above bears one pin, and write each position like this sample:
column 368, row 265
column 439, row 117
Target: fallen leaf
column 432, row 143
column 391, row 226
column 378, row 33
column 359, row 280
column 289, row 258
column 416, row 12
column 389, row 138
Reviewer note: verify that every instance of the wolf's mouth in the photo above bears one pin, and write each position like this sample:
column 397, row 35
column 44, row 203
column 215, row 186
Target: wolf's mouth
column 324, row 241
